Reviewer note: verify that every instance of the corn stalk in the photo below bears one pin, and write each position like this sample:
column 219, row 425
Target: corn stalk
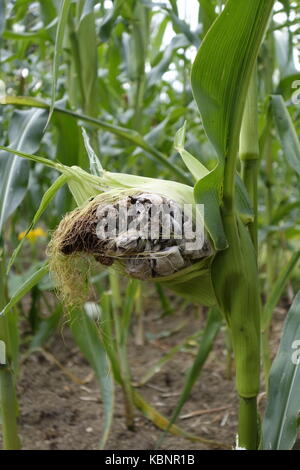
column 8, row 403
column 241, row 26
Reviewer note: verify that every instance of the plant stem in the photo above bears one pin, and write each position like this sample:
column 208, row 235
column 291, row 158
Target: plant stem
column 270, row 265
column 249, row 151
column 8, row 400
column 247, row 431
column 139, row 335
column 122, row 350
column 267, row 156
column 249, row 155
column 242, row 307
column 8, row 409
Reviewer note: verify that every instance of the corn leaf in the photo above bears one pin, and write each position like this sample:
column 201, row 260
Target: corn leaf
column 87, row 337
column 62, row 21
column 229, row 52
column 206, row 192
column 279, row 286
column 108, row 21
column 280, row 422
column 194, row 166
column 2, row 15
column 130, row 135
column 95, row 165
column 220, row 78
column 199, row 171
column 25, row 133
column 286, row 132
column 87, row 41
column 46, row 199
column 26, row 287
column 45, row 329
column 207, row 14
column 68, row 141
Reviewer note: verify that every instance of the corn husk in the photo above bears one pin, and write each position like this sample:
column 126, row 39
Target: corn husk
column 188, row 274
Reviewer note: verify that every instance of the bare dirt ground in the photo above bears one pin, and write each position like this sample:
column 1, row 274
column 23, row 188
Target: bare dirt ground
column 59, row 412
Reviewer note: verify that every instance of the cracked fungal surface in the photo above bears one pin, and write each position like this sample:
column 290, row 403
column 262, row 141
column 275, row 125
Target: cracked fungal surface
column 142, row 233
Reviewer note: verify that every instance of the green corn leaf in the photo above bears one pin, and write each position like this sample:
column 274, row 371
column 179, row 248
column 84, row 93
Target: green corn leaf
column 206, row 193
column 220, row 78
column 45, row 329
column 167, row 308
column 87, row 41
column 156, row 42
column 279, row 430
column 156, row 72
column 222, row 69
column 95, row 165
column 62, row 21
column 92, row 185
column 26, row 287
column 33, row 158
column 2, row 16
column 235, row 280
column 278, row 289
column 108, row 21
column 199, row 171
column 128, row 308
column 46, row 199
column 284, row 210
column 286, row 132
column 48, row 11
column 180, row 25
column 242, row 201
column 207, row 14
column 68, row 141
column 87, row 337
column 108, row 338
column 130, row 135
column 39, row 34
column 195, row 166
column 25, row 133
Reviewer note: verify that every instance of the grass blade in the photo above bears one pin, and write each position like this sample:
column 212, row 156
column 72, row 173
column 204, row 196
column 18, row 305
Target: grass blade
column 277, row 290
column 280, row 423
column 25, row 133
column 46, row 199
column 26, row 287
column 87, row 337
column 62, row 20
column 286, row 132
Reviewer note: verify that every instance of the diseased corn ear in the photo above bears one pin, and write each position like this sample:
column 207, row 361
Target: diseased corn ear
column 162, row 254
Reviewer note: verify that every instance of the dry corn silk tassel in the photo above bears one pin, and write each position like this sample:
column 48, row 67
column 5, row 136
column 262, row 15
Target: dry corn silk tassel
column 143, row 235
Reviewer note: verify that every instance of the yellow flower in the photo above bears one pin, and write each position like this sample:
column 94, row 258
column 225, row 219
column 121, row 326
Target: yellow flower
column 32, row 235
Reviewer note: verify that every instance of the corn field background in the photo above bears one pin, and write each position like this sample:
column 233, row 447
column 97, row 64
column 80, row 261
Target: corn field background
column 131, row 345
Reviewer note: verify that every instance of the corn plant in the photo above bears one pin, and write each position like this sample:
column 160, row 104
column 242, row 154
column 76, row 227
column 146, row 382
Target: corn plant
column 235, row 169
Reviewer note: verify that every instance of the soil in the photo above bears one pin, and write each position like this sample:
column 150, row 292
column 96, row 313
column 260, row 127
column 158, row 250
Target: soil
column 59, row 412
